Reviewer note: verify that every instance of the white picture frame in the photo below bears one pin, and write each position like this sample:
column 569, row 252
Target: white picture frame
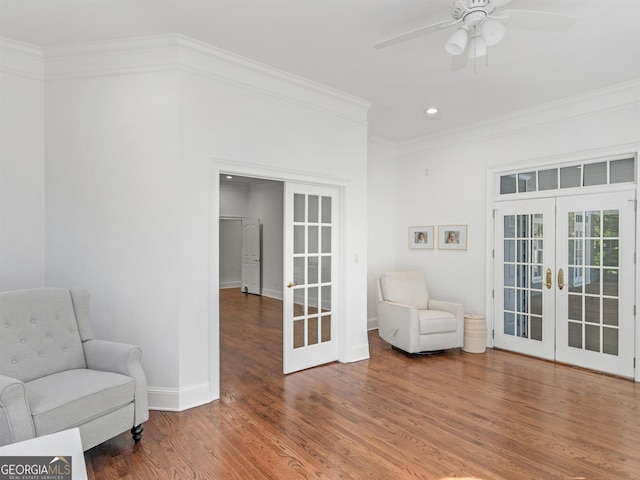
column 452, row 237
column 422, row 237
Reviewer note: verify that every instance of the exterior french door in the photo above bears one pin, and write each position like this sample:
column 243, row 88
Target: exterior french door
column 595, row 282
column 311, row 274
column 524, row 301
column 564, row 279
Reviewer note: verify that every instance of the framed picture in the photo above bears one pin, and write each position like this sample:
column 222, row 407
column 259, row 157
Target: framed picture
column 421, row 237
column 452, row 237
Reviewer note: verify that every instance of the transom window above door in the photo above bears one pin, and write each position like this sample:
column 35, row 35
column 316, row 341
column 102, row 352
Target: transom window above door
column 605, row 172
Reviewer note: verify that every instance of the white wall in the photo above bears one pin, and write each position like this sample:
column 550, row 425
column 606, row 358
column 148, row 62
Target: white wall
column 230, row 253
column 384, row 242
column 135, row 143
column 22, row 207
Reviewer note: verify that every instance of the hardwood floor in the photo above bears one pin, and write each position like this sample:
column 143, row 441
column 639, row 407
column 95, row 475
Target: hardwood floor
column 483, row 416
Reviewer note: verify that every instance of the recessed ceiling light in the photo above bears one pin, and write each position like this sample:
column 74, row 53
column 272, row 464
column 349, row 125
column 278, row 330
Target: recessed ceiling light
column 431, row 111
column 229, row 177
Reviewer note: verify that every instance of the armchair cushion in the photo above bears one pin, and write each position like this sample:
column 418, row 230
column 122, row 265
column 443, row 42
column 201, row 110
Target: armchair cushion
column 71, row 398
column 435, row 321
column 407, row 288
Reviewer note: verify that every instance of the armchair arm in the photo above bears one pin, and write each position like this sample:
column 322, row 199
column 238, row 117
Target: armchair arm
column 124, row 359
column 16, row 423
column 455, row 308
column 399, row 325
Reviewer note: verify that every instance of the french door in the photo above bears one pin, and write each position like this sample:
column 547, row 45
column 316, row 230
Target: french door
column 564, row 279
column 311, row 275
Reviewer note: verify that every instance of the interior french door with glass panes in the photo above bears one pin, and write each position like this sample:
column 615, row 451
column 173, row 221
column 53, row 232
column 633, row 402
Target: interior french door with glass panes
column 564, row 279
column 311, row 274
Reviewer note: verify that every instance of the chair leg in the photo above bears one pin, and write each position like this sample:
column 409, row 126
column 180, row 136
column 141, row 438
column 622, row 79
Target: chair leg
column 136, row 433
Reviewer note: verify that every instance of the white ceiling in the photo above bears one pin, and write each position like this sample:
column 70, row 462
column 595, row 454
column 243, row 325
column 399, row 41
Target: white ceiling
column 330, row 42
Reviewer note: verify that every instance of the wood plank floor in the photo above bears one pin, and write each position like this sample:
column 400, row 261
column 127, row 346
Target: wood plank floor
column 482, row 416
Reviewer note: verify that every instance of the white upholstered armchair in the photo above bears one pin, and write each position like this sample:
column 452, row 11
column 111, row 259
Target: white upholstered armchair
column 411, row 321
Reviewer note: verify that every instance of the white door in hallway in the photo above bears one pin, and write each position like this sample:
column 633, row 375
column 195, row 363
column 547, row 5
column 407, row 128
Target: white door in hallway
column 311, row 248
column 251, row 261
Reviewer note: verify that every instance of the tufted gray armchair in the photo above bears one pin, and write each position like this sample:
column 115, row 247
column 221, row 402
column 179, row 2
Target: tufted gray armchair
column 55, row 376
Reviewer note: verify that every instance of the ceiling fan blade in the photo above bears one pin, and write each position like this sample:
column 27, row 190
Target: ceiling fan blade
column 499, row 3
column 547, row 21
column 418, row 32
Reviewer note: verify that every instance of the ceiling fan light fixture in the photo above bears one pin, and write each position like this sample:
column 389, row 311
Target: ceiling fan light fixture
column 478, row 47
column 492, row 31
column 457, row 42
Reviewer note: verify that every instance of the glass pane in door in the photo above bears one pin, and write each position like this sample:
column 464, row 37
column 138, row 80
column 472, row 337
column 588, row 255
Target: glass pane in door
column 523, row 258
column 593, row 267
column 312, row 262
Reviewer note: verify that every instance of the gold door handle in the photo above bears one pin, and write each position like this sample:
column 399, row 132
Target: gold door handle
column 549, row 280
column 561, row 279
column 291, row 284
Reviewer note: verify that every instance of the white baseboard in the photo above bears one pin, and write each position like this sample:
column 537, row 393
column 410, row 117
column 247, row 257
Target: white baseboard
column 372, row 323
column 277, row 294
column 230, row 284
column 175, row 400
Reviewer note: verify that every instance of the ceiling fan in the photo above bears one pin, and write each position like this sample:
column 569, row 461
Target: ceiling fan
column 481, row 24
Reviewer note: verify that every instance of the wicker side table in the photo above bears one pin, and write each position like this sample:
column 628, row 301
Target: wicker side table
column 475, row 333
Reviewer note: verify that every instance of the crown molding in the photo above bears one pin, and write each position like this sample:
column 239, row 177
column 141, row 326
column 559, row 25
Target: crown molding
column 22, row 59
column 177, row 52
column 607, row 98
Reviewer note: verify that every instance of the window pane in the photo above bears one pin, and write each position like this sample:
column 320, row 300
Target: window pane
column 509, row 299
column 570, row 177
column 510, row 275
column 575, row 307
column 298, row 239
column 509, row 226
column 326, row 239
column 536, row 328
column 326, row 328
column 312, row 332
column 509, row 323
column 611, row 220
column 595, row 174
column 610, row 282
column 313, row 239
column 592, row 338
column 298, row 270
column 313, row 270
column 592, row 309
column 507, row 184
column 313, row 209
column 298, row 207
column 326, row 270
column 548, row 179
column 622, row 171
column 575, row 335
column 509, row 250
column 527, row 182
column 610, row 311
column 326, row 209
column 610, row 341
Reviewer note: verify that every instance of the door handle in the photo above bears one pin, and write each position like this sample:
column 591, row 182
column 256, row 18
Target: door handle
column 291, row 284
column 549, row 276
column 561, row 279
